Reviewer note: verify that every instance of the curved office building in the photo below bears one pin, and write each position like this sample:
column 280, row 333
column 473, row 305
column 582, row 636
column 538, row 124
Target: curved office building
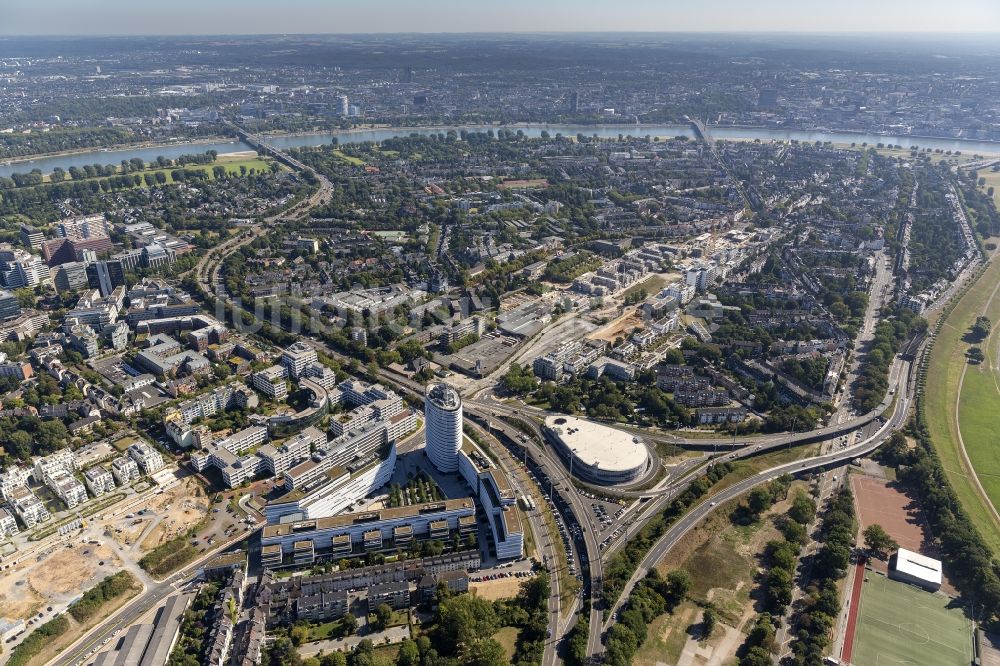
column 443, row 421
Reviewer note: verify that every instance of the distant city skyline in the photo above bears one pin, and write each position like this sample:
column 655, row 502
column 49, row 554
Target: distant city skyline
column 180, row 17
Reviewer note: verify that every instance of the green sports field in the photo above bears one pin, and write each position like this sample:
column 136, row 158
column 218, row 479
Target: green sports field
column 900, row 625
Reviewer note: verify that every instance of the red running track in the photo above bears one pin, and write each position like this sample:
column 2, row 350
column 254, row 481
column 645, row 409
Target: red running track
column 852, row 616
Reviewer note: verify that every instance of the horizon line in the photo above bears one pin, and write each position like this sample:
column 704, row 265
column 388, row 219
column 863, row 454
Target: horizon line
column 832, row 33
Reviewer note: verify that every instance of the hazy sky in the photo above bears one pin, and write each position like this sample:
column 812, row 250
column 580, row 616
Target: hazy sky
column 73, row 17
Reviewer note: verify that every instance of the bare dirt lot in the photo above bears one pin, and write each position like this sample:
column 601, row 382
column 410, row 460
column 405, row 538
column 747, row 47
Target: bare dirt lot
column 57, row 577
column 620, row 327
column 178, row 509
column 887, row 504
column 882, row 502
column 68, row 569
column 502, row 588
column 19, row 602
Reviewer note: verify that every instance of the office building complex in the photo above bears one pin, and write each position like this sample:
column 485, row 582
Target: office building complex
column 496, row 498
column 125, row 470
column 335, row 489
column 99, row 481
column 271, row 382
column 10, row 307
column 302, row 543
column 28, row 508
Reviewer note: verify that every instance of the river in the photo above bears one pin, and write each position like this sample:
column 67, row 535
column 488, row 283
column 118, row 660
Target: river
column 148, row 154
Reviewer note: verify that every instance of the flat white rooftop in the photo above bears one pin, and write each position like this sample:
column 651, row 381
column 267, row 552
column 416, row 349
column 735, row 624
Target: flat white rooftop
column 596, row 445
column 918, row 566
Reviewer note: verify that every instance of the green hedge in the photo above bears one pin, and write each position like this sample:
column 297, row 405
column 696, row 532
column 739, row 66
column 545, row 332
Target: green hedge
column 169, row 556
column 38, row 639
column 108, row 589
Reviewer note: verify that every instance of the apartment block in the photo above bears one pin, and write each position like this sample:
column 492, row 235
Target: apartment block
column 125, row 470
column 148, row 458
column 271, row 382
column 99, row 481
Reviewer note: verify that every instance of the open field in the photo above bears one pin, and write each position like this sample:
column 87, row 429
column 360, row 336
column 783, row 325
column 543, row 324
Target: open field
column 652, row 284
column 977, row 412
column 521, row 184
column 507, row 638
column 904, row 153
column 900, row 624
column 747, row 467
column 666, row 636
column 723, row 560
column 233, row 163
column 992, row 180
column 944, row 372
column 357, row 161
column 620, row 327
column 879, row 503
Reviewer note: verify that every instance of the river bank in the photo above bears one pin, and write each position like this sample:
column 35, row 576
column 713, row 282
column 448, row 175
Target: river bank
column 376, row 133
column 24, row 159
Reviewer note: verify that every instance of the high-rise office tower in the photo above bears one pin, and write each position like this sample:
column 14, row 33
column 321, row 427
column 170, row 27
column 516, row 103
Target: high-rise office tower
column 443, row 420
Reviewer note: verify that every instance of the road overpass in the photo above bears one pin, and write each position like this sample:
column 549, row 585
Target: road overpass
column 902, row 379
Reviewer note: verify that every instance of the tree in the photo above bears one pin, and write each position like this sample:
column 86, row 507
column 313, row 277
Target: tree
column 758, row 501
column 756, row 656
column 383, row 616
column 678, row 585
column 25, row 298
column 18, row 444
column 519, row 379
column 409, row 653
column 878, row 540
column 282, row 653
column 674, row 356
column 779, row 588
column 803, row 509
column 350, row 623
column 334, row 659
column 465, row 619
column 299, row 635
column 709, row 618
column 982, row 327
column 794, row 531
column 486, row 653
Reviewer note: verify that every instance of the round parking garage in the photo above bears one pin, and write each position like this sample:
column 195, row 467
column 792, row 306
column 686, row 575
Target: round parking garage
column 598, row 454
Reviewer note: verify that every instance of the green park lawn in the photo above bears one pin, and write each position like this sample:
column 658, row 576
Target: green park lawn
column 992, row 180
column 232, row 164
column 944, row 370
